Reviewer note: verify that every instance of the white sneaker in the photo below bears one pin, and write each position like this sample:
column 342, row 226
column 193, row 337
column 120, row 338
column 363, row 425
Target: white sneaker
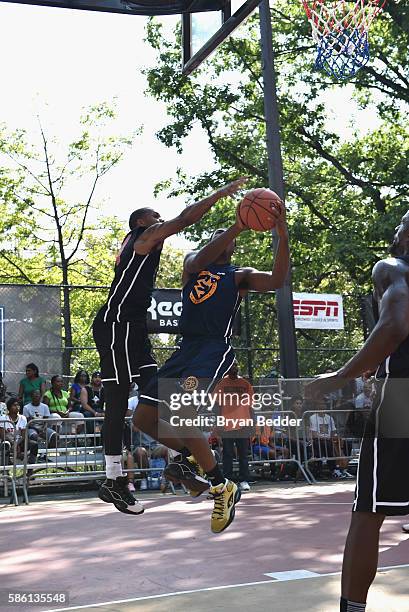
column 347, row 474
column 131, row 487
column 244, row 486
column 144, row 484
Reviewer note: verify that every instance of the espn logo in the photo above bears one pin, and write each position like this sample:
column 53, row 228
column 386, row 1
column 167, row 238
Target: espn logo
column 308, row 308
column 318, row 311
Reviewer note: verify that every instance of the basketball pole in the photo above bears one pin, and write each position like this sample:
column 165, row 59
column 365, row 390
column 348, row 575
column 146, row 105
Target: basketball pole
column 284, row 297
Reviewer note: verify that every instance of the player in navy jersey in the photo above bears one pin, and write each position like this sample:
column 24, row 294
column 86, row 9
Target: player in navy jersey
column 120, row 331
column 212, row 291
column 382, row 480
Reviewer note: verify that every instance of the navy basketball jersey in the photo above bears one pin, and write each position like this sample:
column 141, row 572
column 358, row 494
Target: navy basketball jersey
column 131, row 290
column 397, row 364
column 210, row 300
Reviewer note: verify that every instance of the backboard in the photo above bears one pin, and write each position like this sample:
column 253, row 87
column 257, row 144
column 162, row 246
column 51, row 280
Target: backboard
column 132, row 7
column 203, row 32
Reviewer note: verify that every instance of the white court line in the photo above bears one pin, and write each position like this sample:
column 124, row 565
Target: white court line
column 216, row 588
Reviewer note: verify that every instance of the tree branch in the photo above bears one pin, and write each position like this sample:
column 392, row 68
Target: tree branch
column 22, row 273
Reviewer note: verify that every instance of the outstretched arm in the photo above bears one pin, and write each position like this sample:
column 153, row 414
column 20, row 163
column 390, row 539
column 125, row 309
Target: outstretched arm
column 390, row 331
column 268, row 281
column 189, row 216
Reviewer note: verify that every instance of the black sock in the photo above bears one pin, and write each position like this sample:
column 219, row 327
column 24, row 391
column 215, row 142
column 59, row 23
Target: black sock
column 215, row 476
column 184, row 451
column 346, row 605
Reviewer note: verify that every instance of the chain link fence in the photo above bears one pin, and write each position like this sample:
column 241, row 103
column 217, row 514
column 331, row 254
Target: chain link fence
column 33, row 331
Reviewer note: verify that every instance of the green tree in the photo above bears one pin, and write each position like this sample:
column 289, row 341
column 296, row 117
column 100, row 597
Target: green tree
column 344, row 191
column 44, row 229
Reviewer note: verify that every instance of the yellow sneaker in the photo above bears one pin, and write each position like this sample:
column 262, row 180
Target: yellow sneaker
column 225, row 498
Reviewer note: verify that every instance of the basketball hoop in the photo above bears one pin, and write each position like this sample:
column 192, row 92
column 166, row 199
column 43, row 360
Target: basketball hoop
column 340, row 29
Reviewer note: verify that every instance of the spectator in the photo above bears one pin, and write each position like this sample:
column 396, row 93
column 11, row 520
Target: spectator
column 144, row 445
column 264, row 445
column 3, row 392
column 325, row 441
column 92, row 397
column 297, row 406
column 58, row 401
column 38, row 410
column 32, row 382
column 235, row 398
column 92, row 401
column 359, row 385
column 3, row 407
column 364, row 399
column 13, row 429
column 81, row 380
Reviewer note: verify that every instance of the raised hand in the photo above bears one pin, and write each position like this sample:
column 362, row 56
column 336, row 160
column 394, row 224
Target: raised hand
column 279, row 214
column 232, row 187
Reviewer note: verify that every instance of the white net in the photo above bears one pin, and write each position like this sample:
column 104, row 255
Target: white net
column 340, row 29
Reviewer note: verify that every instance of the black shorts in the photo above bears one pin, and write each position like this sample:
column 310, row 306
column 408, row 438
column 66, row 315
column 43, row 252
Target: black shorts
column 204, row 360
column 382, row 479
column 124, row 351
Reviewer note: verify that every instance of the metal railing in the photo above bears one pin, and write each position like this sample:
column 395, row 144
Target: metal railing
column 71, row 449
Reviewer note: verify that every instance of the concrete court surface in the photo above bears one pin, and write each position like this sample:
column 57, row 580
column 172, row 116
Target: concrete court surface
column 85, row 547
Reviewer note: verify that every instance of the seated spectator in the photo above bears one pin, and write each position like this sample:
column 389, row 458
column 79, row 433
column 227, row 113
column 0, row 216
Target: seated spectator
column 264, row 444
column 58, row 401
column 3, row 407
column 81, row 380
column 92, row 402
column 32, row 382
column 92, row 397
column 144, row 445
column 12, row 432
column 325, row 441
column 38, row 410
column 3, row 392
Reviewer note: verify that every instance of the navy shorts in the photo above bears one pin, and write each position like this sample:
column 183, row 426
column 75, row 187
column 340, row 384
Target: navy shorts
column 197, row 360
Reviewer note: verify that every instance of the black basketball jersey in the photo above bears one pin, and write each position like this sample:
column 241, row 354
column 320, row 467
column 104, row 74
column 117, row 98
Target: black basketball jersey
column 131, row 290
column 210, row 300
column 397, row 364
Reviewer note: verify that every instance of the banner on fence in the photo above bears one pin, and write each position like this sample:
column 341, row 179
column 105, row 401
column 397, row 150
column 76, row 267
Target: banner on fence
column 165, row 310
column 318, row 311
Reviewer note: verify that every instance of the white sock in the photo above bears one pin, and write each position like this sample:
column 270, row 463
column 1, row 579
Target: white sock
column 113, row 466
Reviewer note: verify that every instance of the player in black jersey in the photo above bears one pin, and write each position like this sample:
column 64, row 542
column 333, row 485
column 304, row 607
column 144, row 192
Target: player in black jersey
column 120, row 332
column 382, row 481
column 212, row 290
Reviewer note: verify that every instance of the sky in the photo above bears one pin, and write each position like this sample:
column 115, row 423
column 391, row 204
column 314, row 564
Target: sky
column 56, row 62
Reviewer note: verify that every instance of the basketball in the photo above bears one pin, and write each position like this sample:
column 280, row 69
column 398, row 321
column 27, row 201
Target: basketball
column 255, row 209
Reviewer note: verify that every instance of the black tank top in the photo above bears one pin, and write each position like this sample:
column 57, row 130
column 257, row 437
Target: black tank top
column 397, row 364
column 210, row 300
column 131, row 290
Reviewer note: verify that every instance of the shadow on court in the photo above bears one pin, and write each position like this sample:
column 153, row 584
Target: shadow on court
column 98, row 555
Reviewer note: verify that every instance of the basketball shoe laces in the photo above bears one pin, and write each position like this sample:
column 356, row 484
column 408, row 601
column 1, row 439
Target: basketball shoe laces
column 219, row 504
